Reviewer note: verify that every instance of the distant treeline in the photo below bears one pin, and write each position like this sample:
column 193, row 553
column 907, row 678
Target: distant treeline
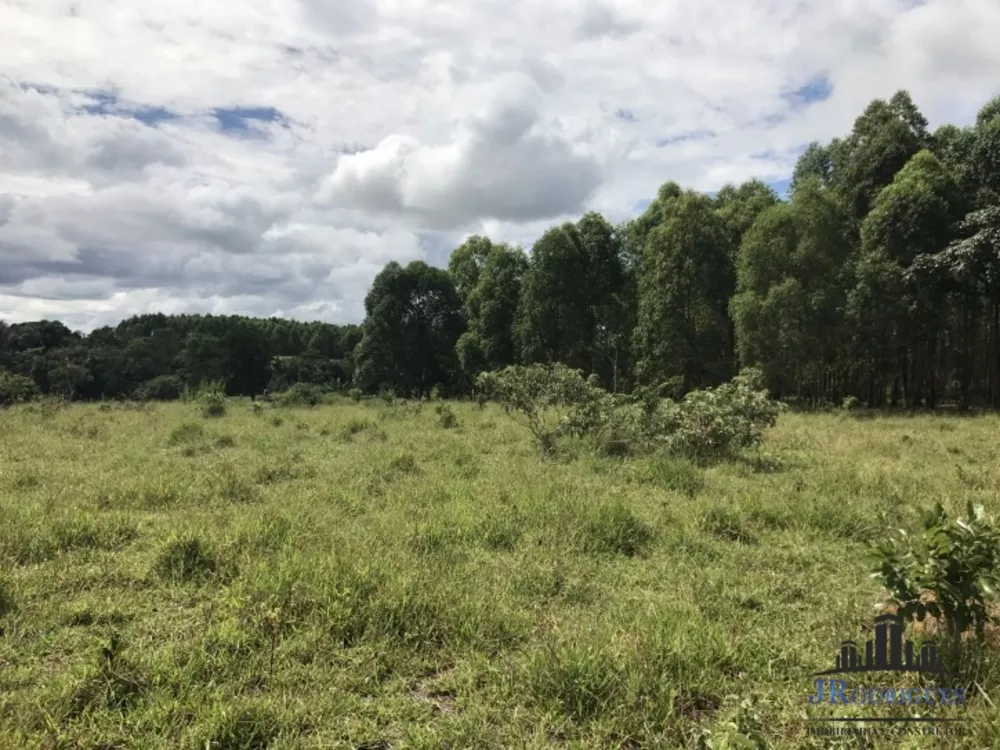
column 878, row 279
column 158, row 356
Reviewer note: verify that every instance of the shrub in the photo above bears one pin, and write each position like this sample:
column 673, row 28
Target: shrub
column 301, row 394
column 16, row 389
column 162, row 388
column 850, row 403
column 446, row 417
column 355, row 394
column 718, row 421
column 213, row 407
column 956, row 561
column 554, row 400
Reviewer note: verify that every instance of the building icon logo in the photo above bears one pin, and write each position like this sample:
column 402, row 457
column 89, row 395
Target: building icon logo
column 888, row 652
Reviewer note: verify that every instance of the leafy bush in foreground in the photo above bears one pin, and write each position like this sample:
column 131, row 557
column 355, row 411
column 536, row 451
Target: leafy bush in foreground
column 956, row 561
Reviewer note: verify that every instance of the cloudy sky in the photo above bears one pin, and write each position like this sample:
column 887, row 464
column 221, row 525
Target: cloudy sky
column 268, row 157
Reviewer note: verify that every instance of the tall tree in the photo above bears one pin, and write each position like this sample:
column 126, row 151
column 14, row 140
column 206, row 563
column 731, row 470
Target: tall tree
column 611, row 300
column 912, row 217
column 467, row 261
column 884, row 138
column 684, row 287
column 975, row 262
column 413, row 319
column 792, row 283
column 740, row 206
column 554, row 318
column 489, row 343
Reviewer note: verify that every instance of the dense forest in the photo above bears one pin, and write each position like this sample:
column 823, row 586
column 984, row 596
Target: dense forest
column 878, row 279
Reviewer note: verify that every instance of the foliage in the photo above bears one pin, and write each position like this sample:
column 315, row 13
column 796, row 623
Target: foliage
column 161, row 388
column 446, row 417
column 413, row 321
column 957, row 561
column 684, row 287
column 877, row 279
column 718, row 421
column 553, row 399
column 554, row 316
column 16, row 389
column 300, row 394
column 212, row 399
column 710, row 423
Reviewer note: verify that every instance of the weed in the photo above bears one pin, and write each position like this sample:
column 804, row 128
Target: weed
column 186, row 558
column 615, row 529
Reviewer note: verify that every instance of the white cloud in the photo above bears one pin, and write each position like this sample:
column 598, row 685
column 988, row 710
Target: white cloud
column 405, row 126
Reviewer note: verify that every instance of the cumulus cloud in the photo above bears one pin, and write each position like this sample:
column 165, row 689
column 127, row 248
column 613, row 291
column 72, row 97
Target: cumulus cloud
column 270, row 157
column 504, row 163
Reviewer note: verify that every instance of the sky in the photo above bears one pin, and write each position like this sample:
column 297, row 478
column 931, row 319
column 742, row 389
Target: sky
column 269, row 157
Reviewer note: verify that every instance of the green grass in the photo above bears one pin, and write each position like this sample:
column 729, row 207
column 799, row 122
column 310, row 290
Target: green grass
column 364, row 575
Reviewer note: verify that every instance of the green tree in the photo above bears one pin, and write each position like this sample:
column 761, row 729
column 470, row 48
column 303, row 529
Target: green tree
column 489, row 343
column 612, row 300
column 815, row 162
column 684, row 287
column 911, row 217
column 740, row 206
column 413, row 320
column 554, row 317
column 975, row 262
column 791, row 289
column 884, row 138
column 467, row 261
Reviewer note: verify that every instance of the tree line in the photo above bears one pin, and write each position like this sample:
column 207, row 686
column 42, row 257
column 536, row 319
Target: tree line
column 878, row 278
column 159, row 356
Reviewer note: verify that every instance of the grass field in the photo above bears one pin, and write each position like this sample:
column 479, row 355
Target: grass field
column 357, row 576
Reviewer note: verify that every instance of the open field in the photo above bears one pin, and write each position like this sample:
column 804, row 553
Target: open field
column 357, row 576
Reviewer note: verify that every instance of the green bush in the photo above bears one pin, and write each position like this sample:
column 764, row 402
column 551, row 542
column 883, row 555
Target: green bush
column 16, row 389
column 553, row 400
column 355, row 394
column 558, row 401
column 446, row 417
column 162, row 388
column 212, row 398
column 957, row 561
column 300, row 394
